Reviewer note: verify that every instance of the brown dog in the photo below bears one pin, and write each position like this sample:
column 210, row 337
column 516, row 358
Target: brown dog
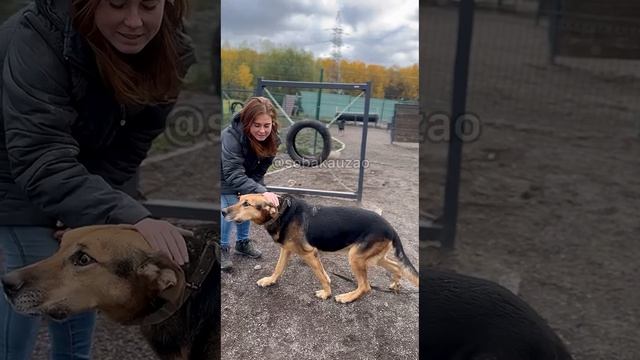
column 303, row 229
column 111, row 268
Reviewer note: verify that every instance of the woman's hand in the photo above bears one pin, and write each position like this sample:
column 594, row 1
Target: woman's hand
column 163, row 236
column 272, row 198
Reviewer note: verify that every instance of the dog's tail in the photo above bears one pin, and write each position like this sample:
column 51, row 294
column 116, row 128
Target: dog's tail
column 408, row 270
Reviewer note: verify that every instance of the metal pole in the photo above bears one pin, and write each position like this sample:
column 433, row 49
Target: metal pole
column 259, row 87
column 363, row 146
column 554, row 30
column 458, row 108
column 315, row 137
column 319, row 95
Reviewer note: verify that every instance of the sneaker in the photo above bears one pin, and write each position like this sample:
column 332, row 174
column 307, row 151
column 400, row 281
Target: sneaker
column 225, row 259
column 246, row 248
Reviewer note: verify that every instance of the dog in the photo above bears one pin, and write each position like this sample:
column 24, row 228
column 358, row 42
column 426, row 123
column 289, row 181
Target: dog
column 467, row 318
column 303, row 229
column 112, row 269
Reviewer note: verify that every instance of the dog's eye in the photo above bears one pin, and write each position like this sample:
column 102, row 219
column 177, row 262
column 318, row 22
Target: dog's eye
column 245, row 204
column 82, row 259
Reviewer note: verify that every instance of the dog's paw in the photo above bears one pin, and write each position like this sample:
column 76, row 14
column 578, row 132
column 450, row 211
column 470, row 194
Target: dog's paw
column 346, row 298
column 395, row 287
column 322, row 294
column 266, row 281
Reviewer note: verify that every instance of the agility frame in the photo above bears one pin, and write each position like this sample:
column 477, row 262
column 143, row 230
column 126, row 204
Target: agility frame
column 364, row 87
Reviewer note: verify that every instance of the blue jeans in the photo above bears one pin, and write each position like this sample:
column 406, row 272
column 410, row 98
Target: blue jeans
column 71, row 339
column 242, row 229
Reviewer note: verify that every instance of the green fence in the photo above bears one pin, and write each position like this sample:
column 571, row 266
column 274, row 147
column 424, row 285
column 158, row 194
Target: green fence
column 330, row 104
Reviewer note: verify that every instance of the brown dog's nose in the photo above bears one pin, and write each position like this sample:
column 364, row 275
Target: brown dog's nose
column 11, row 284
column 224, row 212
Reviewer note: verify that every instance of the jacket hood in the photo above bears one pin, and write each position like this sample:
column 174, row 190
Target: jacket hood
column 56, row 10
column 236, row 127
column 235, row 122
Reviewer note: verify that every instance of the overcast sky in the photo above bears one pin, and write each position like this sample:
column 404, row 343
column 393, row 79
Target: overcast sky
column 383, row 32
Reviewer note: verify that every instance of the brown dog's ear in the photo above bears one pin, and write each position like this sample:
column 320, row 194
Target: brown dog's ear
column 164, row 277
column 271, row 209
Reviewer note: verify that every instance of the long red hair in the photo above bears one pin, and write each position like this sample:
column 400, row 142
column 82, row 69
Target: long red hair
column 253, row 108
column 149, row 77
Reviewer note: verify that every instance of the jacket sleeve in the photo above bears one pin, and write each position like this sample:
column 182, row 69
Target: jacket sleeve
column 131, row 145
column 43, row 155
column 233, row 166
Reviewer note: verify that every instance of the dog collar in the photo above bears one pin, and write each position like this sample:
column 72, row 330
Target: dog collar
column 283, row 206
column 207, row 258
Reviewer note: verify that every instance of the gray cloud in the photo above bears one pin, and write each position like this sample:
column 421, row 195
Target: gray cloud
column 375, row 31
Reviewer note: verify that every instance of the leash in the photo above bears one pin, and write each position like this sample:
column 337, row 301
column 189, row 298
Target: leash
column 373, row 286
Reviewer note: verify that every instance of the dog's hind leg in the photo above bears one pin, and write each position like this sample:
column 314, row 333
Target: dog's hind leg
column 282, row 262
column 394, row 269
column 313, row 260
column 358, row 262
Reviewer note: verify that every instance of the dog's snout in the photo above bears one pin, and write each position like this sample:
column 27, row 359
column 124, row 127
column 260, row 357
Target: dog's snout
column 11, row 284
column 224, row 212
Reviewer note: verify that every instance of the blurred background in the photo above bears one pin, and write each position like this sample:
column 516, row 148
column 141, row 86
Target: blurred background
column 548, row 189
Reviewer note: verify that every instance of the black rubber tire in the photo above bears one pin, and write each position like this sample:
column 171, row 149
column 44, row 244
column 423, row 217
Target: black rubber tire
column 235, row 104
column 291, row 144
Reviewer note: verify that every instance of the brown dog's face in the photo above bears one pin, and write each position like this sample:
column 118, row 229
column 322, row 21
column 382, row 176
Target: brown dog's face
column 252, row 207
column 110, row 268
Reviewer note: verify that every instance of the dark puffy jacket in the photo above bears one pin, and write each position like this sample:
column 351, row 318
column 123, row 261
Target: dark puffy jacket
column 242, row 170
column 66, row 144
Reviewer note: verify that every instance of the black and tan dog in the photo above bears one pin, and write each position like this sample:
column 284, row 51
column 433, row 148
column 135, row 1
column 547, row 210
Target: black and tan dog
column 303, row 229
column 111, row 268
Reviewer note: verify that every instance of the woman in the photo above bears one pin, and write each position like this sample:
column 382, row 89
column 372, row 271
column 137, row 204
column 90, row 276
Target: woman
column 249, row 145
column 86, row 86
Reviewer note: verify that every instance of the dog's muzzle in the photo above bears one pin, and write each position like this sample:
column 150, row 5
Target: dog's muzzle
column 22, row 299
column 11, row 285
column 228, row 217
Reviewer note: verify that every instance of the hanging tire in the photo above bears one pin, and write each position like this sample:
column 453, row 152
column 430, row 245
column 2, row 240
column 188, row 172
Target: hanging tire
column 234, row 105
column 307, row 160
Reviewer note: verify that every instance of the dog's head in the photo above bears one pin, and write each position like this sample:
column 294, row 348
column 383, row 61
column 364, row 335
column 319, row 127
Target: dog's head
column 253, row 207
column 110, row 268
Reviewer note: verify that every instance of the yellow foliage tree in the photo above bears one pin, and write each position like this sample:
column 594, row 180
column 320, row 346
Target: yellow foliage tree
column 379, row 79
column 240, row 66
column 409, row 78
column 237, row 68
column 244, row 77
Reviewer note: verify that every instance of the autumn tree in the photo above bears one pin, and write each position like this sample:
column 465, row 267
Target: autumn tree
column 379, row 80
column 409, row 78
column 242, row 66
column 287, row 64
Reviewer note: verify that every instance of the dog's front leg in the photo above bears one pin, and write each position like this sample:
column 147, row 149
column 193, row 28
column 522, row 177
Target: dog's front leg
column 282, row 262
column 313, row 260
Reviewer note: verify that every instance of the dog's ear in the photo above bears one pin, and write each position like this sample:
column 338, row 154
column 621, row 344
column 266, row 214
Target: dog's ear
column 271, row 209
column 164, row 277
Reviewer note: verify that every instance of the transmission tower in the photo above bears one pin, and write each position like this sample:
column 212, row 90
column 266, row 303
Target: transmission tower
column 336, row 41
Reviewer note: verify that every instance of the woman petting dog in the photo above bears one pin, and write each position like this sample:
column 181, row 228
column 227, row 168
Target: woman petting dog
column 249, row 145
column 86, row 87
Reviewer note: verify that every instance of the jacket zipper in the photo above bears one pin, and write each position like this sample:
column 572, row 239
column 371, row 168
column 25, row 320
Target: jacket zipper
column 123, row 115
